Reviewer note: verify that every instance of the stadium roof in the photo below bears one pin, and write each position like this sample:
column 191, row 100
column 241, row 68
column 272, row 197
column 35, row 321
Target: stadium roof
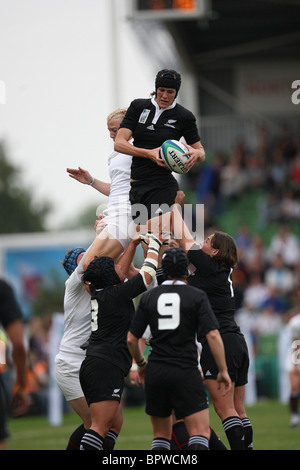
column 241, row 29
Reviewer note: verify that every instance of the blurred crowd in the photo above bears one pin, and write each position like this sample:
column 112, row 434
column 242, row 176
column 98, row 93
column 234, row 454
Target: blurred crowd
column 267, row 278
column 271, row 165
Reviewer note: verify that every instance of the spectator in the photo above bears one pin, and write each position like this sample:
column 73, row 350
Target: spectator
column 269, row 208
column 295, row 173
column 37, row 381
column 290, row 207
column 256, row 293
column 268, row 321
column 243, row 237
column 277, row 170
column 254, row 256
column 233, row 179
column 275, row 303
column 285, row 243
column 255, row 171
column 208, row 182
column 278, row 276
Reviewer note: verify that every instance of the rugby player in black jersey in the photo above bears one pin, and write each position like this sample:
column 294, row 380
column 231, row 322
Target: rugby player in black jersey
column 214, row 262
column 150, row 122
column 177, row 314
column 108, row 360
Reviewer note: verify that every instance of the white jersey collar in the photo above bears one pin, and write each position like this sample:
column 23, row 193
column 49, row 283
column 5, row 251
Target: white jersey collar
column 159, row 111
column 176, row 283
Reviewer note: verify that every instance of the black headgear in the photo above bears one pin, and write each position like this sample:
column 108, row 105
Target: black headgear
column 175, row 263
column 101, row 272
column 70, row 260
column 168, row 78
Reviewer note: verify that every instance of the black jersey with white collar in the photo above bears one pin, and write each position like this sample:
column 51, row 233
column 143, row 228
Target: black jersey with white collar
column 151, row 126
column 215, row 279
column 177, row 314
column 112, row 310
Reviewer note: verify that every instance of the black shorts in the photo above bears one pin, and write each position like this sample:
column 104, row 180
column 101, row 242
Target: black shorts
column 149, row 199
column 100, row 380
column 237, row 359
column 169, row 387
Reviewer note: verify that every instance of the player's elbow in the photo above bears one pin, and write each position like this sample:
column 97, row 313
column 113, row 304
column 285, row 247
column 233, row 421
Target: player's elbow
column 131, row 340
column 213, row 335
column 86, row 262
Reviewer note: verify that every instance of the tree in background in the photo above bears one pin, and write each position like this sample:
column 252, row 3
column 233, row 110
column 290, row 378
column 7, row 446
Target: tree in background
column 18, row 211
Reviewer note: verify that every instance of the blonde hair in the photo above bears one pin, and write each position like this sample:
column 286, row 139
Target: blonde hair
column 119, row 112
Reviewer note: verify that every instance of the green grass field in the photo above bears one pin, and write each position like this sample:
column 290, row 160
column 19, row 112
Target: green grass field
column 270, row 421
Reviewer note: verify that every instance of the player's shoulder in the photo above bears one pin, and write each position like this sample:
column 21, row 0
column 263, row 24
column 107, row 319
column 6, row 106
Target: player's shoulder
column 185, row 291
column 194, row 292
column 141, row 102
column 184, row 112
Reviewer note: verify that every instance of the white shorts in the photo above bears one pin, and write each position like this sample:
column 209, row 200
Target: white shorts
column 119, row 224
column 68, row 380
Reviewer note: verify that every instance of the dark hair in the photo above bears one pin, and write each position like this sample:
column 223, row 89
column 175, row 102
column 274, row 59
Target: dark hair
column 227, row 254
column 101, row 273
column 175, row 263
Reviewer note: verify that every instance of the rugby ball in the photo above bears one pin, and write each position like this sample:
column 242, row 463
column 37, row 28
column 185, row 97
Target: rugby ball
column 171, row 153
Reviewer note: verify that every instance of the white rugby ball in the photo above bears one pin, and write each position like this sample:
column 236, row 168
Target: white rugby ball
column 171, row 153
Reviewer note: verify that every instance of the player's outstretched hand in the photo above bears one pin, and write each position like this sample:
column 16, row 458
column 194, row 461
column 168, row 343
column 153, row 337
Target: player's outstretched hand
column 79, row 174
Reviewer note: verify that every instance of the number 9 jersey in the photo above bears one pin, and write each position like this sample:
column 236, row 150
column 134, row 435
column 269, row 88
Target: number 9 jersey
column 178, row 314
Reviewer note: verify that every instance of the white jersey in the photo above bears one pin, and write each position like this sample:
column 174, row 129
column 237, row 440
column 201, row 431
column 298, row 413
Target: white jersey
column 119, row 172
column 77, row 320
column 118, row 217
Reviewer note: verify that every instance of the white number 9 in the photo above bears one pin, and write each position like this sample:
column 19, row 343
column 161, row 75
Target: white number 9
column 168, row 306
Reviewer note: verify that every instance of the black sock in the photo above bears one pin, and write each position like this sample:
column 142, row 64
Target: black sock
column 198, row 443
column 294, row 398
column 91, row 441
column 180, row 436
column 234, row 430
column 215, row 442
column 160, row 443
column 248, row 432
column 110, row 440
column 75, row 438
